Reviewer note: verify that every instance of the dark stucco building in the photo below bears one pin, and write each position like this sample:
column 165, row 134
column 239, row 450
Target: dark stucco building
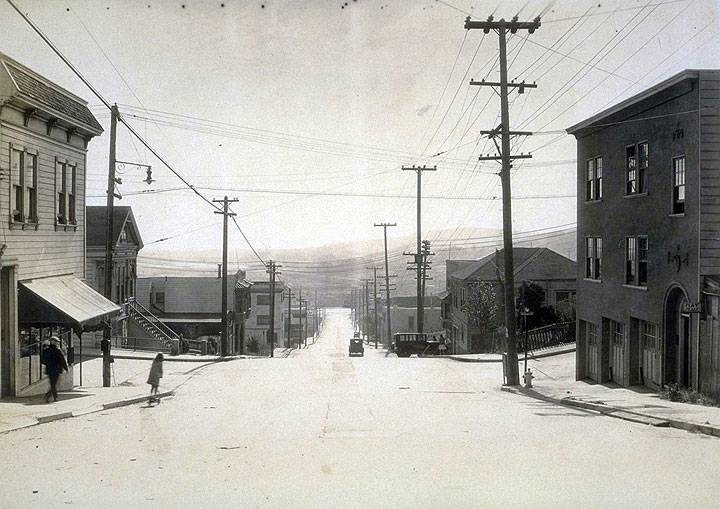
column 649, row 236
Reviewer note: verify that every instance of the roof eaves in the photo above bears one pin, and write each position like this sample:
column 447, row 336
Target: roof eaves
column 673, row 80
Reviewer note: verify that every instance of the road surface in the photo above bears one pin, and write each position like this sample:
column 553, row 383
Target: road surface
column 319, row 429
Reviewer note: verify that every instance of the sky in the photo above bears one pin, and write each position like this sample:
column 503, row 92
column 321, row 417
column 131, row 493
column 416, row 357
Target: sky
column 305, row 111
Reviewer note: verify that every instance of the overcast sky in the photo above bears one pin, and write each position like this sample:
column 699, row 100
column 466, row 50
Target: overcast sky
column 308, row 96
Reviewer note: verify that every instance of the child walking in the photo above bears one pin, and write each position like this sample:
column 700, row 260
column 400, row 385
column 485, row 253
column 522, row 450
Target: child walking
column 156, row 373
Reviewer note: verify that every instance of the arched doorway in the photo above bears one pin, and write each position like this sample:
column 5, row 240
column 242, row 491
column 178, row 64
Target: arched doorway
column 677, row 338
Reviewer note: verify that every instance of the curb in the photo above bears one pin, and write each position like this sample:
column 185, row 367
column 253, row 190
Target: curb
column 534, row 356
column 619, row 413
column 136, row 399
column 44, row 419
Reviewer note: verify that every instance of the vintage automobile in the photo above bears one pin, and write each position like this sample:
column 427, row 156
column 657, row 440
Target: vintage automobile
column 407, row 343
column 356, row 347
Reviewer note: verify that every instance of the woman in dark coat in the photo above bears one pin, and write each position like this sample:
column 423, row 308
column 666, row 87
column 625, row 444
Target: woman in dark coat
column 156, row 373
column 55, row 364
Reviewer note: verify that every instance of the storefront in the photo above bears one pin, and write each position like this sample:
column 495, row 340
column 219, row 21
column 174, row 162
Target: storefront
column 63, row 306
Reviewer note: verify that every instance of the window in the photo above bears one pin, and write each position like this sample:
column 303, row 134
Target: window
column 591, row 333
column 616, row 331
column 65, row 188
column 636, row 165
column 593, row 258
column 630, row 260
column 263, row 320
column 636, row 251
column 23, row 186
column 593, row 189
column 411, row 322
column 263, row 300
column 678, row 206
column 648, row 335
column 565, row 296
column 642, row 251
column 160, row 298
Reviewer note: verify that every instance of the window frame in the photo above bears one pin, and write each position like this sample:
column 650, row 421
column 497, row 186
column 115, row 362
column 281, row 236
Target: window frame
column 65, row 193
column 639, row 180
column 23, row 197
column 676, row 186
column 636, row 263
column 593, row 258
column 593, row 180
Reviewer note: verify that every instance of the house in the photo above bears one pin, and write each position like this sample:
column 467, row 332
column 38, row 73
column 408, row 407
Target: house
column 301, row 326
column 551, row 273
column 187, row 306
column 44, row 134
column 126, row 244
column 648, row 222
column 257, row 325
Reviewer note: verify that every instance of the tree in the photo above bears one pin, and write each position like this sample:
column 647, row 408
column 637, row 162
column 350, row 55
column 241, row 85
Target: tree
column 481, row 306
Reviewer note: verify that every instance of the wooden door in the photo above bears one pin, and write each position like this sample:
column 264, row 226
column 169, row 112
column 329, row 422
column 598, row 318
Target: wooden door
column 591, row 361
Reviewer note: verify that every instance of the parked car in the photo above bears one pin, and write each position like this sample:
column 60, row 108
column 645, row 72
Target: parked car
column 407, row 343
column 356, row 347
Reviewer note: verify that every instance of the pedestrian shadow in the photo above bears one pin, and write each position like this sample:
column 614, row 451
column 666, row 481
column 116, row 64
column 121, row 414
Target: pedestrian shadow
column 40, row 399
column 546, row 407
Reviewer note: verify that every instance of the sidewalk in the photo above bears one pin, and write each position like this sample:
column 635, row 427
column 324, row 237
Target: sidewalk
column 128, row 387
column 555, row 382
column 496, row 357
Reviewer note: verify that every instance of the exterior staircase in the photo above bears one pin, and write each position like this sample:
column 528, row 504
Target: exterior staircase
column 150, row 323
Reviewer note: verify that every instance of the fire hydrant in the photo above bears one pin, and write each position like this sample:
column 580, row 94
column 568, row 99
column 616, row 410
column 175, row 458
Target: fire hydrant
column 528, row 378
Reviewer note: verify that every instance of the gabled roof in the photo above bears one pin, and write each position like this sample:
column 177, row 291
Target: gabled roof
column 533, row 263
column 95, row 221
column 23, row 85
column 607, row 114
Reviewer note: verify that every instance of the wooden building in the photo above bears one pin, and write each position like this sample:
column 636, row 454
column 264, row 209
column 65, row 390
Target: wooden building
column 44, row 134
column 550, row 271
column 648, row 186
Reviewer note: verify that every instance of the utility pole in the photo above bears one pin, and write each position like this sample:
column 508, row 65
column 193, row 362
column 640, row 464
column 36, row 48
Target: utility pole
column 224, row 333
column 425, row 267
column 304, row 330
column 503, row 130
column 375, row 304
column 288, row 343
column 420, row 304
column 272, row 270
column 366, row 303
column 300, row 331
column 107, row 282
column 387, row 280
column 315, row 317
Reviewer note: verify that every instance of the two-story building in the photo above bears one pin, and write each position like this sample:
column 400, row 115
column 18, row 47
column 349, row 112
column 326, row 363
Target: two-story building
column 257, row 325
column 126, row 244
column 549, row 271
column 187, row 306
column 649, row 227
column 44, row 134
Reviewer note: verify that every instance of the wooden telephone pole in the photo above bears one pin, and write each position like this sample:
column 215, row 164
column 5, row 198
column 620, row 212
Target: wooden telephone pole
column 503, row 130
column 224, row 332
column 417, row 254
column 375, row 303
column 288, row 343
column 109, row 234
column 272, row 270
column 387, row 281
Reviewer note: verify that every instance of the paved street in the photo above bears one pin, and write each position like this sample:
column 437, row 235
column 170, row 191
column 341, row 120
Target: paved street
column 319, row 429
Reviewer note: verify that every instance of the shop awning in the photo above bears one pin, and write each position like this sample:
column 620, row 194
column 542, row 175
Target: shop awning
column 63, row 301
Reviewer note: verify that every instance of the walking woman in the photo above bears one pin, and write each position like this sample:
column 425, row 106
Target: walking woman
column 156, row 373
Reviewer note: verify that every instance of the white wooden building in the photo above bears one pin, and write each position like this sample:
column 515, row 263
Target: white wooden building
column 44, row 133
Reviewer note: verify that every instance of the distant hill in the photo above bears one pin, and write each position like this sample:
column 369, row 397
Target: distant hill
column 333, row 270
